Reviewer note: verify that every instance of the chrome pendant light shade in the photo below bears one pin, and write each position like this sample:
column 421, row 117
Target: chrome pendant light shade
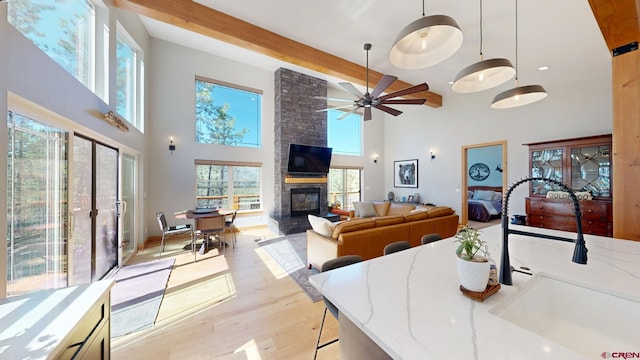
column 426, row 41
column 518, row 96
column 483, row 75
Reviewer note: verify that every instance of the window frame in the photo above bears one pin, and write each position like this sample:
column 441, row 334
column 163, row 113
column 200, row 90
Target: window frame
column 258, row 120
column 343, row 200
column 138, row 77
column 230, row 194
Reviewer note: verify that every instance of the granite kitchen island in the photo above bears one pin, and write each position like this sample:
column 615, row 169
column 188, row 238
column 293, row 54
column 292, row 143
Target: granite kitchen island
column 408, row 305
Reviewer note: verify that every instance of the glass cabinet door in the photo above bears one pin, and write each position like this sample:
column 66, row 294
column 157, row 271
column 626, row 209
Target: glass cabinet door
column 590, row 169
column 547, row 164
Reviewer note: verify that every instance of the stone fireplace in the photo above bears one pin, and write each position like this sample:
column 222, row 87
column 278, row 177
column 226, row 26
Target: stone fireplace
column 297, row 122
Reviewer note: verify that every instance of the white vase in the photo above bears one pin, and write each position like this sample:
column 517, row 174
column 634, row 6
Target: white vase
column 473, row 275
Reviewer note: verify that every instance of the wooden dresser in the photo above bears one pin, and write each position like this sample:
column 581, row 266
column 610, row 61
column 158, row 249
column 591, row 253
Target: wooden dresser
column 583, row 164
column 558, row 214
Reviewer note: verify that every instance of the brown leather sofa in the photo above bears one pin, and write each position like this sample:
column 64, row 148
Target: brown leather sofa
column 367, row 237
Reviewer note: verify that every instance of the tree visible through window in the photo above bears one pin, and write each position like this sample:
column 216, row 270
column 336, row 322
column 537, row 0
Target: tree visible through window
column 226, row 186
column 63, row 29
column 344, row 187
column 126, row 78
column 227, row 115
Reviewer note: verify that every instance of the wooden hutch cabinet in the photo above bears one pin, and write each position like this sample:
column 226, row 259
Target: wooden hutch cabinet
column 583, row 164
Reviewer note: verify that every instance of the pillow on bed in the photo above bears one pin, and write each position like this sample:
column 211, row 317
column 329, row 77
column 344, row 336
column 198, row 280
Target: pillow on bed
column 469, row 194
column 483, row 195
column 497, row 196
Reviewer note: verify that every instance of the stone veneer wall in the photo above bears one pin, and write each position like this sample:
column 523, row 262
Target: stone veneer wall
column 296, row 121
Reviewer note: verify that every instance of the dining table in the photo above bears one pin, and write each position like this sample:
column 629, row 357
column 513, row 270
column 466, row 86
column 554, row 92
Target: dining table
column 205, row 219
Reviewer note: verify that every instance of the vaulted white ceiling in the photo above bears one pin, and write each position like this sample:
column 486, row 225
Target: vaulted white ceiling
column 562, row 35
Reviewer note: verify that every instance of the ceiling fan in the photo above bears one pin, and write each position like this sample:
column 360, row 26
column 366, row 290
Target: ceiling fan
column 369, row 100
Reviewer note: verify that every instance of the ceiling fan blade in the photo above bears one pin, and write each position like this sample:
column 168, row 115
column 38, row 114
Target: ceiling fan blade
column 389, row 110
column 336, row 107
column 352, row 89
column 341, row 117
column 367, row 113
column 332, row 99
column 383, row 85
column 405, row 101
column 407, row 91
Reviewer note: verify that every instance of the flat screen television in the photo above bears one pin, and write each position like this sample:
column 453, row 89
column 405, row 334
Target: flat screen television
column 308, row 160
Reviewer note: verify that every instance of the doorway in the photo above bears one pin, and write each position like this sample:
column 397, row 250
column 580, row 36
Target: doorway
column 484, row 167
column 94, row 245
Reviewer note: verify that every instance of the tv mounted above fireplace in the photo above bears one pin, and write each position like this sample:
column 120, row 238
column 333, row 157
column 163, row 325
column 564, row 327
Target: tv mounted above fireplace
column 308, row 160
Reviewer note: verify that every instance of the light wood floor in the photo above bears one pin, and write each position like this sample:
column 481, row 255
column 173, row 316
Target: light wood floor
column 229, row 306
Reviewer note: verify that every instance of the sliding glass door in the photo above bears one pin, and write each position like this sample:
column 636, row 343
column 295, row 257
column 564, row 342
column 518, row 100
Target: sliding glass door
column 127, row 207
column 36, row 205
column 94, row 244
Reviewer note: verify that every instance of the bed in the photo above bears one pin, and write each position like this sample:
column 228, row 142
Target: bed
column 484, row 202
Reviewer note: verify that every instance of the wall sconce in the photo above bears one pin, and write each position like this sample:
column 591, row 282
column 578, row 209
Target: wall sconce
column 433, row 155
column 172, row 147
column 375, row 158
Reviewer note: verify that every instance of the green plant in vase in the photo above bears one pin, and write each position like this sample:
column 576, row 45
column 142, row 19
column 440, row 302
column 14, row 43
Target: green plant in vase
column 470, row 244
column 473, row 269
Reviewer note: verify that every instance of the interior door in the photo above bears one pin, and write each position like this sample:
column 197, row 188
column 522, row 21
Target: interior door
column 500, row 167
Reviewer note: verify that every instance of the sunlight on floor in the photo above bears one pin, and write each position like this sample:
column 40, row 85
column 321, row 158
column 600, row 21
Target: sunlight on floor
column 280, row 258
column 250, row 349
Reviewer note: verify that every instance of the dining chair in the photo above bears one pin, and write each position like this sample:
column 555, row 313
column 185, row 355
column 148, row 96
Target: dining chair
column 229, row 224
column 173, row 230
column 327, row 266
column 429, row 238
column 207, row 227
column 395, row 247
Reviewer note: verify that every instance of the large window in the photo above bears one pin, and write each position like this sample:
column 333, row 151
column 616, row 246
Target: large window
column 344, row 187
column 36, row 206
column 227, row 115
column 64, row 30
column 232, row 186
column 344, row 135
column 127, row 80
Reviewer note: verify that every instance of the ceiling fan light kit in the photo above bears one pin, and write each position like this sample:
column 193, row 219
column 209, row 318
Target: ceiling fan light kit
column 425, row 42
column 483, row 75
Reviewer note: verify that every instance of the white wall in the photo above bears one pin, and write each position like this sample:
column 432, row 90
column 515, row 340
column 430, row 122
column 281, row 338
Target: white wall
column 581, row 108
column 490, row 156
column 28, row 73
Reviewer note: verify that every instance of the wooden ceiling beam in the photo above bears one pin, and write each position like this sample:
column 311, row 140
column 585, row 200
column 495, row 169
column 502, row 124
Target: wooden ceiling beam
column 618, row 21
column 204, row 20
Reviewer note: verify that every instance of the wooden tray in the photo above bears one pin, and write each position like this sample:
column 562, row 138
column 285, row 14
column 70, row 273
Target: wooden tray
column 480, row 296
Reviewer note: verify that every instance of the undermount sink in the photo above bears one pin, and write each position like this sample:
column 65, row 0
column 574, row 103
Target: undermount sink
column 584, row 319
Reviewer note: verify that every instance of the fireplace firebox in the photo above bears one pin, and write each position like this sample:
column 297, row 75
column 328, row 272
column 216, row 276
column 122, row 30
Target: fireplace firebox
column 305, row 201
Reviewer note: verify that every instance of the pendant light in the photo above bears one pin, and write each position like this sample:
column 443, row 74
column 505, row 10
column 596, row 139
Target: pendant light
column 485, row 74
column 425, row 42
column 520, row 95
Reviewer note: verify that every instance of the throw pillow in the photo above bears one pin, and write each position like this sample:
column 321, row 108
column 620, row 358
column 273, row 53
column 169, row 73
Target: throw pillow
column 497, row 196
column 320, row 225
column 364, row 209
column 483, row 195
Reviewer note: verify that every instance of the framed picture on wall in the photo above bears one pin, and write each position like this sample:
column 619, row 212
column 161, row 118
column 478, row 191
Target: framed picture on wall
column 405, row 173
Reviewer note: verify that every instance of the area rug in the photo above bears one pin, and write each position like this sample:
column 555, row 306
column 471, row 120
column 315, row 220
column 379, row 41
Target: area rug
column 137, row 294
column 290, row 253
